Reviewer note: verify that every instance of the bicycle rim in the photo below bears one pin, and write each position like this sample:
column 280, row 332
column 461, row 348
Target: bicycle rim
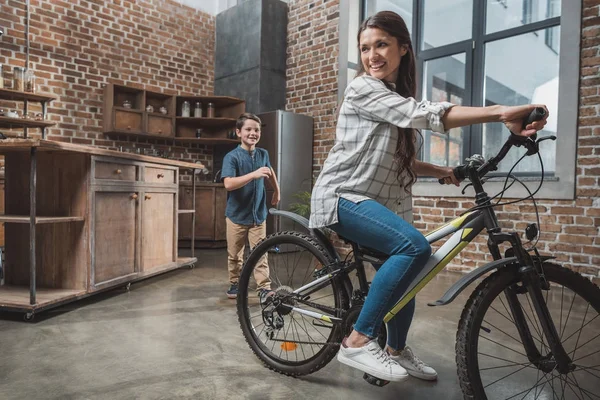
column 290, row 342
column 494, row 360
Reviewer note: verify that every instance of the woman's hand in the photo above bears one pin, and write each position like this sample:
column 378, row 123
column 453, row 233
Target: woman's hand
column 447, row 174
column 513, row 117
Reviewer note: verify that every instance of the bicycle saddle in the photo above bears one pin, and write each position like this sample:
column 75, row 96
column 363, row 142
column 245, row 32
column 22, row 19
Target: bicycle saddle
column 365, row 251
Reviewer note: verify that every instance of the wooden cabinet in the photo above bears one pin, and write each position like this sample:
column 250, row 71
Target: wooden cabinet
column 158, row 230
column 140, row 121
column 115, row 224
column 210, row 227
column 91, row 219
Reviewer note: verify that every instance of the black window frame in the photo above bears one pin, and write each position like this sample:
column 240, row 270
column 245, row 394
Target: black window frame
column 474, row 50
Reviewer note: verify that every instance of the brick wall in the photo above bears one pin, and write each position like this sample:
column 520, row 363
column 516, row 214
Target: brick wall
column 77, row 46
column 312, row 68
column 569, row 228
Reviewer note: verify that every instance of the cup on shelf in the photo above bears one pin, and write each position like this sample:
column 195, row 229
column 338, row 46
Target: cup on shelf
column 12, row 114
column 149, row 108
column 163, row 110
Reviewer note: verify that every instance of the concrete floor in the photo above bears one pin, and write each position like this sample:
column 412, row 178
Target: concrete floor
column 176, row 336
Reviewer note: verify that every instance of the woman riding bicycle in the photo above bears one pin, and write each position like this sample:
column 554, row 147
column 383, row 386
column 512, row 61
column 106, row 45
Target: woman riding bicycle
column 370, row 171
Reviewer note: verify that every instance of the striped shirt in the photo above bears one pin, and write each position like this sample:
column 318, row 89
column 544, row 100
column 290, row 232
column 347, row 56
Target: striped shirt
column 360, row 165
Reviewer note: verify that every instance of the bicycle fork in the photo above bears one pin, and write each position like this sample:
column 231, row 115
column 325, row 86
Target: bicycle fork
column 558, row 358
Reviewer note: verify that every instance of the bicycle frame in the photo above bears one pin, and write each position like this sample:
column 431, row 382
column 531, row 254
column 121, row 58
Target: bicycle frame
column 463, row 230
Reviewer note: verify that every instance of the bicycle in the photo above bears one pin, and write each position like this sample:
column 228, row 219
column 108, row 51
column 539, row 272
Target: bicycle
column 298, row 329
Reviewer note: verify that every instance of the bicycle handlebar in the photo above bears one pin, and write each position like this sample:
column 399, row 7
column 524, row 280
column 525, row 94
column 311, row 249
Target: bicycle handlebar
column 538, row 113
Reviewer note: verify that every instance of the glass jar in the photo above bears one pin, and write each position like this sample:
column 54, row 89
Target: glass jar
column 198, row 110
column 126, row 104
column 210, row 110
column 19, row 79
column 30, row 81
column 185, row 109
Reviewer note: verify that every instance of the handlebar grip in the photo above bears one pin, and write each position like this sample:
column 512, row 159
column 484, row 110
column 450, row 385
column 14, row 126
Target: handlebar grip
column 459, row 172
column 537, row 114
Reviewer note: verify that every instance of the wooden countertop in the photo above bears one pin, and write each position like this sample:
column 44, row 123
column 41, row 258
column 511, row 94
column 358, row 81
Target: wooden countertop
column 11, row 145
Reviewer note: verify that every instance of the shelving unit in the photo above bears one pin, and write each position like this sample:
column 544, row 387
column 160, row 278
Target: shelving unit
column 26, row 97
column 80, row 220
column 139, row 123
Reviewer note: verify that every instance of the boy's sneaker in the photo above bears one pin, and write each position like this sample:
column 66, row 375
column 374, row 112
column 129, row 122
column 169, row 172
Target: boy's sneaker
column 414, row 366
column 263, row 295
column 233, row 291
column 373, row 360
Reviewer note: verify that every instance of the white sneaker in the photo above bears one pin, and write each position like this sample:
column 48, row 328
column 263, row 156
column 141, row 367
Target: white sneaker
column 414, row 366
column 373, row 360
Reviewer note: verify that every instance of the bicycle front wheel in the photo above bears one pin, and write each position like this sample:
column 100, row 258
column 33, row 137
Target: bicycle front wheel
column 284, row 330
column 491, row 358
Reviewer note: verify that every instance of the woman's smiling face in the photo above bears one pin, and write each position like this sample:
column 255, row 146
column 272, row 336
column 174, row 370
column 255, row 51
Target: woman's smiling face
column 380, row 54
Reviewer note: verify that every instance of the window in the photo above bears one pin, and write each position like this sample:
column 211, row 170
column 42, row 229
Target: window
column 502, row 52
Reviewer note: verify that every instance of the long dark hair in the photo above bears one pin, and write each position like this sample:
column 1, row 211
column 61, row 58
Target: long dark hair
column 406, row 86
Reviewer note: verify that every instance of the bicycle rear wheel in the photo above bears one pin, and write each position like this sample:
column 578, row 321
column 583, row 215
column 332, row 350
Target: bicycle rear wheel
column 490, row 355
column 285, row 340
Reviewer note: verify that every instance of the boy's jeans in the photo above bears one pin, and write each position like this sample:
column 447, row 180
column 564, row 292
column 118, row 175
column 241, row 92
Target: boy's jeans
column 236, row 240
column 372, row 225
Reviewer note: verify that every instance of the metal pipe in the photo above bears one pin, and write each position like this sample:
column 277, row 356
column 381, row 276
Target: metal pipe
column 32, row 216
column 27, row 36
column 194, row 211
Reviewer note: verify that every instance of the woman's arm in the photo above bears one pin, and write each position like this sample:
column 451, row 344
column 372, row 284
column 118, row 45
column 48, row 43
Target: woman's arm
column 426, row 169
column 512, row 116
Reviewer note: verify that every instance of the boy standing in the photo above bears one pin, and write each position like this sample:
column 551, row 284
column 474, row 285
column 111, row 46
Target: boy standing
column 244, row 171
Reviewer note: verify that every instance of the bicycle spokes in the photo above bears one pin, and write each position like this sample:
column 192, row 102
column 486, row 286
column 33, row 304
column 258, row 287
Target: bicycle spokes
column 513, row 368
column 292, row 326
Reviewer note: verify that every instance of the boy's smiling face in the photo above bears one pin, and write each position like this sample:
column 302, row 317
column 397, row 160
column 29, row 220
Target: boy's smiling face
column 250, row 134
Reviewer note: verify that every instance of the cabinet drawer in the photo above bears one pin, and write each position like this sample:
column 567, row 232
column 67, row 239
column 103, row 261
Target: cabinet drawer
column 128, row 121
column 115, row 171
column 161, row 126
column 159, row 175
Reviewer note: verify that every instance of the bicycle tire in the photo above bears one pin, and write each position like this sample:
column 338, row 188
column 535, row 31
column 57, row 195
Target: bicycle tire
column 327, row 353
column 467, row 337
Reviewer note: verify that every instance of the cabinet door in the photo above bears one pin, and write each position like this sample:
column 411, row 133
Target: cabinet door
column 185, row 220
column 220, row 204
column 205, row 213
column 158, row 230
column 115, row 226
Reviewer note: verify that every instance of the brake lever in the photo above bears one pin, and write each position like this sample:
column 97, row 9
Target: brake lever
column 552, row 137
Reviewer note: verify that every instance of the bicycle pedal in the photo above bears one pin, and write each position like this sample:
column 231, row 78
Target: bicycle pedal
column 373, row 380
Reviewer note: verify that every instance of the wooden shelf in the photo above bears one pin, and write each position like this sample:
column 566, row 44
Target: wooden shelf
column 207, row 140
column 218, row 101
column 18, row 296
column 140, row 135
column 8, row 122
column 186, row 211
column 207, row 122
column 22, row 219
column 9, row 94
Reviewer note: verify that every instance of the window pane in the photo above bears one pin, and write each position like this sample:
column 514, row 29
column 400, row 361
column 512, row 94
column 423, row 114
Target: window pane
column 521, row 82
column 404, row 8
column 506, row 14
column 444, row 81
column 446, row 22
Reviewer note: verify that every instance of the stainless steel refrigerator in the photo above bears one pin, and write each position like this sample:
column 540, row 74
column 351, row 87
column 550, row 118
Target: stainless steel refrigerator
column 288, row 137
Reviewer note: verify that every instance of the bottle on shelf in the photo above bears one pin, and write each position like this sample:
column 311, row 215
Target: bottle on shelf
column 210, row 110
column 198, row 133
column 198, row 110
column 30, row 81
column 185, row 109
column 19, row 79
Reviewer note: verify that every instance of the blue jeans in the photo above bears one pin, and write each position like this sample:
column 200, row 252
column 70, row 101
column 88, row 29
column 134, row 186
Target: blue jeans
column 372, row 225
